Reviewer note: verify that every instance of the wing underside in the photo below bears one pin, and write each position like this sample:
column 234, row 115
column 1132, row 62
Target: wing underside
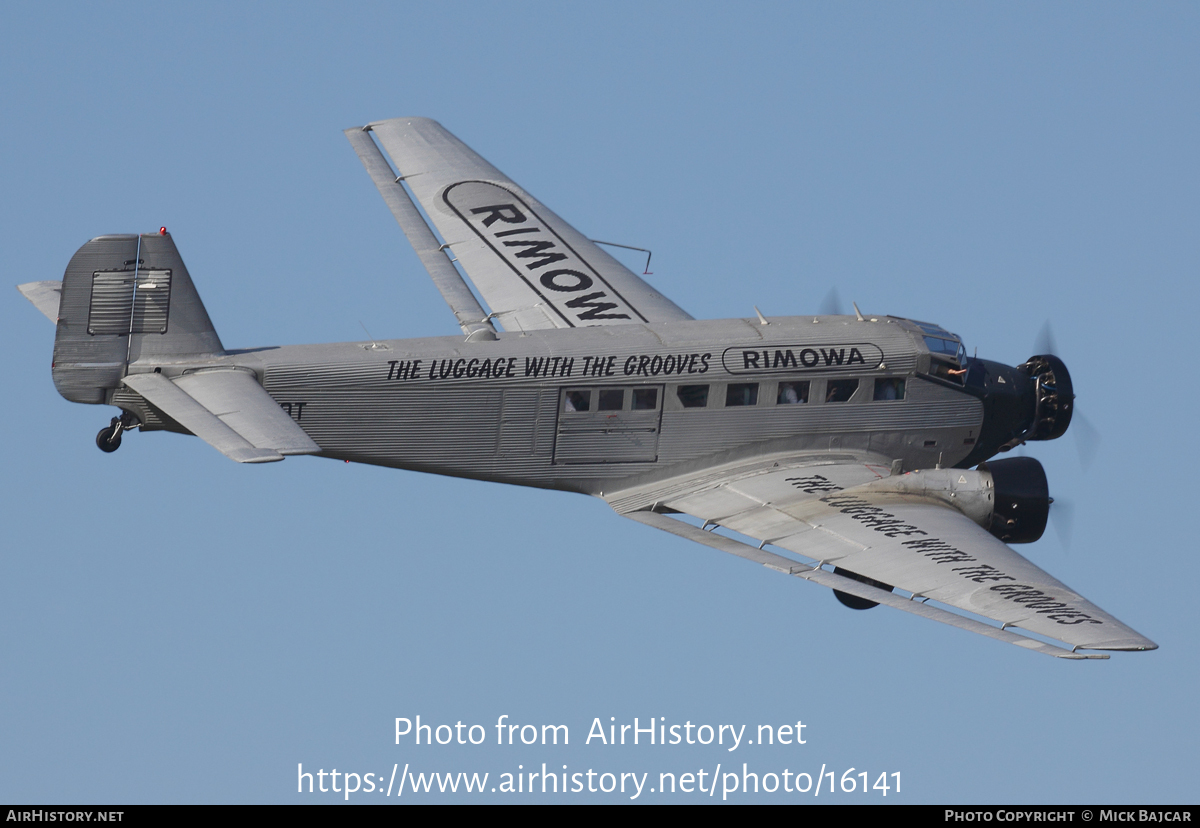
column 843, row 526
column 531, row 268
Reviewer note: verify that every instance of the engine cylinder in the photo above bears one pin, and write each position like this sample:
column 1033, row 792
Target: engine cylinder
column 1055, row 397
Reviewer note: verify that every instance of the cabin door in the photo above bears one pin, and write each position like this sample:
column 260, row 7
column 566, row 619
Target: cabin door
column 608, row 425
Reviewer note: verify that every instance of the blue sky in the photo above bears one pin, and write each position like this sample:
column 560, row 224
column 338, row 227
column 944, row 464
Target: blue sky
column 179, row 628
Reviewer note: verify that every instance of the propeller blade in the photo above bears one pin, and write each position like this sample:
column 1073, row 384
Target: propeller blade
column 1087, row 438
column 1044, row 344
column 831, row 305
column 1062, row 515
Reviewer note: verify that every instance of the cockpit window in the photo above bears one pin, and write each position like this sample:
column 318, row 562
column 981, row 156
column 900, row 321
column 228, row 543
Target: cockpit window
column 936, row 330
column 944, row 347
column 943, row 370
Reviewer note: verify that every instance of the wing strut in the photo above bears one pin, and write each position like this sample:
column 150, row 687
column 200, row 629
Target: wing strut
column 844, row 584
column 470, row 314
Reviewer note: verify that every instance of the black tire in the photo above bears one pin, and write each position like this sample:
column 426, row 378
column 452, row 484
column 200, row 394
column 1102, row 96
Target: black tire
column 853, row 601
column 105, row 440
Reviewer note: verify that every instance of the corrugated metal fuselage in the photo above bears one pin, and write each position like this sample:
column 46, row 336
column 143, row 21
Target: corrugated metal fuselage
column 603, row 408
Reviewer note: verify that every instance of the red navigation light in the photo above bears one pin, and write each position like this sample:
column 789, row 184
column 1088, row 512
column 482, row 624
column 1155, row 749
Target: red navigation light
column 162, row 231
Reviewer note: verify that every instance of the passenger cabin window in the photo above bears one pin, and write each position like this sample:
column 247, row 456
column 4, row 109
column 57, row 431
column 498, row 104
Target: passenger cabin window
column 612, row 399
column 791, row 393
column 741, row 393
column 692, row 396
column 645, row 399
column 577, row 399
column 889, row 388
column 580, row 400
column 837, row 391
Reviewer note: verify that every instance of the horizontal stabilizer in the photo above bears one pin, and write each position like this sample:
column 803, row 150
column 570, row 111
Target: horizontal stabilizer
column 44, row 295
column 229, row 410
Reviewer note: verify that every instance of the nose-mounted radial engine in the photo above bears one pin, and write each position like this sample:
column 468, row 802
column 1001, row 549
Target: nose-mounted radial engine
column 1031, row 401
column 1054, row 400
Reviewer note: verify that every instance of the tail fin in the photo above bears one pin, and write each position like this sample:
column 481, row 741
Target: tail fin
column 126, row 298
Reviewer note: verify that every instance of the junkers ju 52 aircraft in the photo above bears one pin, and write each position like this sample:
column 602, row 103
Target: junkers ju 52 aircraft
column 853, row 452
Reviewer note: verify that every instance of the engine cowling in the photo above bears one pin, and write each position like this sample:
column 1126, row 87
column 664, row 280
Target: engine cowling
column 1054, row 394
column 1022, row 498
column 1010, row 498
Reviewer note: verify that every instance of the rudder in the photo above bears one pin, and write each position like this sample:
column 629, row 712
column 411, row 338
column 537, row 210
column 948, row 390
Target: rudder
column 126, row 298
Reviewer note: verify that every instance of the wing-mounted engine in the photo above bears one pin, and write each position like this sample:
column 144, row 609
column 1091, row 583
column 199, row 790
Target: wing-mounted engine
column 1010, row 498
column 1055, row 397
column 1021, row 499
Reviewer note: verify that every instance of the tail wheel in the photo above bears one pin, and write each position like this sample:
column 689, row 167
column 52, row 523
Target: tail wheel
column 109, row 439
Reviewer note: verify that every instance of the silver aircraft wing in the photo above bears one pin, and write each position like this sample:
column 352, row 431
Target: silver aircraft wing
column 532, row 268
column 856, row 528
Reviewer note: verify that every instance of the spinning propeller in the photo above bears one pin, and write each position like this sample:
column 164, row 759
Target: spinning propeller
column 831, row 305
column 1087, row 436
column 1087, row 444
